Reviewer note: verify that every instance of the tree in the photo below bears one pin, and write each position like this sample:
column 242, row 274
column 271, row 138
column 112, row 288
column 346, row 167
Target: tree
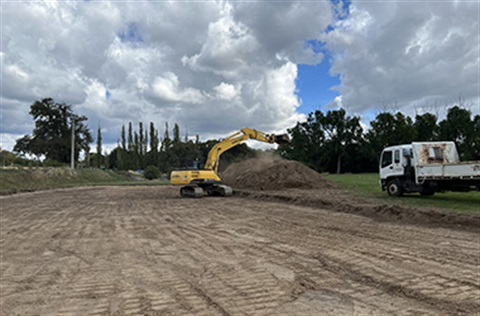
column 52, row 134
column 426, row 128
column 475, row 141
column 130, row 137
column 324, row 141
column 166, row 142
column 145, row 144
column 153, row 155
column 388, row 130
column 121, row 152
column 459, row 127
column 136, row 151
column 99, row 147
column 176, row 133
column 124, row 142
column 342, row 133
column 116, row 158
column 151, row 172
column 306, row 143
column 140, row 139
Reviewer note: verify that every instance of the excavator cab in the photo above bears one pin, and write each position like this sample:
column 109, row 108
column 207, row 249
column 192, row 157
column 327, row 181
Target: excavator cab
column 282, row 139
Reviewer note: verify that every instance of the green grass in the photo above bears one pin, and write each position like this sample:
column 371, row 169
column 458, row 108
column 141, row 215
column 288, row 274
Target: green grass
column 26, row 180
column 367, row 185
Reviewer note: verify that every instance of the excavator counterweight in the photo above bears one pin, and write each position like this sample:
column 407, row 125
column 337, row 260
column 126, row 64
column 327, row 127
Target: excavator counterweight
column 282, row 139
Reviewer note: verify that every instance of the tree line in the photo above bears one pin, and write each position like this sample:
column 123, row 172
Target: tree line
column 335, row 142
column 139, row 148
column 327, row 142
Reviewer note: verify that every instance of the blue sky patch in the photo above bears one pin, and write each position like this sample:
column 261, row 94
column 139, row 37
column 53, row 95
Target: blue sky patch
column 314, row 83
column 131, row 34
column 342, row 8
column 314, row 87
column 108, row 94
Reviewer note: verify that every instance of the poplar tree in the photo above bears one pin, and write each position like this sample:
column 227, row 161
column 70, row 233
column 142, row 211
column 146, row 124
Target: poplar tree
column 166, row 142
column 176, row 134
column 124, row 142
column 140, row 140
column 153, row 144
column 136, row 151
column 130, row 137
column 99, row 147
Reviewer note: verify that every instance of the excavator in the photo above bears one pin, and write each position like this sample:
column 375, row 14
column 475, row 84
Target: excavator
column 195, row 183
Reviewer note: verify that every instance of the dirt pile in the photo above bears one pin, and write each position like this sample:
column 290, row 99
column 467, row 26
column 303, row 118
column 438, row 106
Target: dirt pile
column 273, row 174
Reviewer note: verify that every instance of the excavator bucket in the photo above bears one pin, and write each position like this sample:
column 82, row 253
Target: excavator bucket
column 282, row 139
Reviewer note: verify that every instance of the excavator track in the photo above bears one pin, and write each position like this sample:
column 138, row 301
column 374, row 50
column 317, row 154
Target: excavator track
column 192, row 191
column 221, row 190
column 197, row 191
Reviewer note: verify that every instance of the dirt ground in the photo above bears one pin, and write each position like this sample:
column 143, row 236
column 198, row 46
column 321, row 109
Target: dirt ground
column 146, row 251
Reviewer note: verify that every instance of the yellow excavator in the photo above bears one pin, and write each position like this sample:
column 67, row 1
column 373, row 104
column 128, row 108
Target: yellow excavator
column 198, row 182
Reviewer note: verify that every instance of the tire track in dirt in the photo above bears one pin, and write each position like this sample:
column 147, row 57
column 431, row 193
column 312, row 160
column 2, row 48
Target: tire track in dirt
column 466, row 286
column 143, row 250
column 367, row 260
column 420, row 290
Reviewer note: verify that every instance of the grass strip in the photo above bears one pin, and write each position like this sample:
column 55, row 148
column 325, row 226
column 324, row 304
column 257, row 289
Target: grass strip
column 34, row 179
column 368, row 186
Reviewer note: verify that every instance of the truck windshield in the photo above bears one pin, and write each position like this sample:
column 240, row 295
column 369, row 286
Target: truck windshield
column 386, row 158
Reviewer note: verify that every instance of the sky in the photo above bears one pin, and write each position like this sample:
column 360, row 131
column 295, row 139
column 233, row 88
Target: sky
column 214, row 67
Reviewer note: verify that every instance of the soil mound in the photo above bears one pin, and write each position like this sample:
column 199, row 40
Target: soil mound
column 273, row 174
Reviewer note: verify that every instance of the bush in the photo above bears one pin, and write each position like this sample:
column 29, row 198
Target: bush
column 54, row 163
column 151, row 172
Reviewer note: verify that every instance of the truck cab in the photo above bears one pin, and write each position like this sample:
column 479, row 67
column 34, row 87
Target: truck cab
column 395, row 163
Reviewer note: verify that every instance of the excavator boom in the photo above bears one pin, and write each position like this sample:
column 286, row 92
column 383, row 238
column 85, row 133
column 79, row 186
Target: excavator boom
column 237, row 139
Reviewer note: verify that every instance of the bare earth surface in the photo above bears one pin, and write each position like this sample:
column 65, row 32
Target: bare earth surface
column 145, row 251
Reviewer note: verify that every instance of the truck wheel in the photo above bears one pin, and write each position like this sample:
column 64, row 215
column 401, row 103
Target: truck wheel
column 394, row 188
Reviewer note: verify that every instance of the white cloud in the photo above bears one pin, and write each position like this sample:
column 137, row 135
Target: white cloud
column 167, row 88
column 227, row 48
column 225, row 91
column 407, row 54
column 7, row 141
column 211, row 67
column 216, row 67
column 336, row 103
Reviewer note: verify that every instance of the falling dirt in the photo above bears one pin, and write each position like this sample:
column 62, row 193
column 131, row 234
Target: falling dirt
column 273, row 174
column 146, row 251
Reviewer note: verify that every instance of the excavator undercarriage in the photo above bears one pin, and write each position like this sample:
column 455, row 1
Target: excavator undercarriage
column 197, row 190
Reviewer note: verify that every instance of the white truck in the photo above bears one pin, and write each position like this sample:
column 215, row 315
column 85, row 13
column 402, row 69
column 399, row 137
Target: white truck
column 426, row 168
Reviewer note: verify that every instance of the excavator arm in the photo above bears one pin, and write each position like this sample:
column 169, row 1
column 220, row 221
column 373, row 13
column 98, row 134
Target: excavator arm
column 237, row 139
